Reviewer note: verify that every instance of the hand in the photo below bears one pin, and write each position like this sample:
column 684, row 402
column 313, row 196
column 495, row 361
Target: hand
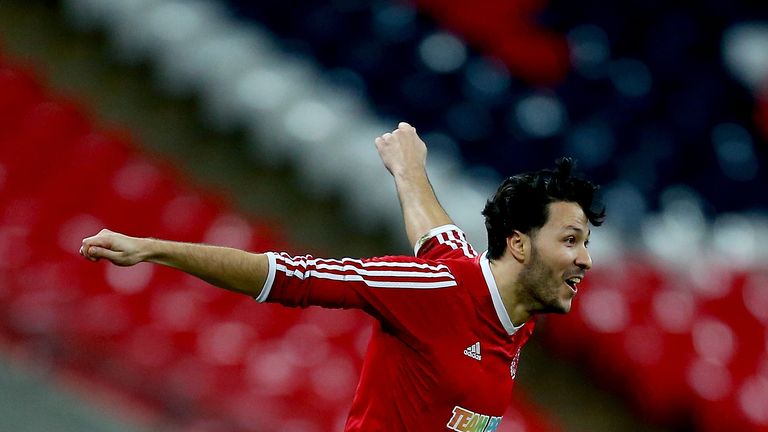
column 115, row 247
column 402, row 151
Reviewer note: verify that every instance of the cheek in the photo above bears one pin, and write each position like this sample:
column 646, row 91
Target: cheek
column 554, row 255
column 566, row 258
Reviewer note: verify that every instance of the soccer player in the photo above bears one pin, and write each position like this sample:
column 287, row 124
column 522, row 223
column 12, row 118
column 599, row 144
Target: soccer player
column 449, row 322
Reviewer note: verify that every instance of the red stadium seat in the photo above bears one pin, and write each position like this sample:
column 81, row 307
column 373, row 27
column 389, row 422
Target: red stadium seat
column 215, row 359
column 507, row 30
column 761, row 114
column 187, row 216
column 39, row 145
column 19, row 92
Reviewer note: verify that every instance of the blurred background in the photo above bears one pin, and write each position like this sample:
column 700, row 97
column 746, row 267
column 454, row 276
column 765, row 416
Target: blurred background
column 251, row 124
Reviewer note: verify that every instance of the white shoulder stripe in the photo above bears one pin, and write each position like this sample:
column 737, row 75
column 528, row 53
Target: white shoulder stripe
column 424, row 266
column 379, row 273
column 372, row 283
column 350, row 264
column 385, row 273
column 434, row 232
column 462, row 240
column 456, row 240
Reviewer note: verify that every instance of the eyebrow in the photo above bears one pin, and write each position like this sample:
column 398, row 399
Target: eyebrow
column 577, row 229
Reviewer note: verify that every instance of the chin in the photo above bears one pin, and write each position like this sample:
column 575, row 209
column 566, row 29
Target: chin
column 562, row 307
column 557, row 307
column 566, row 307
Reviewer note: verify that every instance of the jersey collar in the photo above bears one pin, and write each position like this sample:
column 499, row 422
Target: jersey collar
column 501, row 311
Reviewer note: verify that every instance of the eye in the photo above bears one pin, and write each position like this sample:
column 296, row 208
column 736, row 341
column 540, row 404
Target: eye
column 586, row 244
column 571, row 240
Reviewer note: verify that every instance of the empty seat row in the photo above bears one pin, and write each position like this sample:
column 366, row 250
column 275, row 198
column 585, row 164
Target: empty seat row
column 211, row 359
column 683, row 349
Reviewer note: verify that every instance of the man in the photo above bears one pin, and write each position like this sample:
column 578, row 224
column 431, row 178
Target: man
column 449, row 322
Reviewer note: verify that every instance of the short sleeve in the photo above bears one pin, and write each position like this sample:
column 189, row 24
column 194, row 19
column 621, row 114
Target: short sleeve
column 443, row 242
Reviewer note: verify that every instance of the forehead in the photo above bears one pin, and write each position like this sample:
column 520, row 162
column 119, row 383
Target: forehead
column 566, row 215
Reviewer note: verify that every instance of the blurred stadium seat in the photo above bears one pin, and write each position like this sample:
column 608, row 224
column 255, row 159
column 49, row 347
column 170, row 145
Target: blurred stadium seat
column 205, row 356
column 676, row 353
column 651, row 99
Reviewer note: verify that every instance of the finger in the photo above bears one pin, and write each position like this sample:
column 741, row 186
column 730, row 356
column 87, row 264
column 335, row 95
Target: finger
column 104, row 233
column 101, row 239
column 379, row 143
column 97, row 252
column 98, row 239
column 404, row 125
column 84, row 247
column 391, row 138
column 84, row 251
column 88, row 239
column 89, row 247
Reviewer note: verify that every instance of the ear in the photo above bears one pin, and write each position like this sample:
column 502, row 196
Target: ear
column 518, row 245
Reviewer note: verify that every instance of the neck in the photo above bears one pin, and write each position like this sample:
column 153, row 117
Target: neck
column 506, row 272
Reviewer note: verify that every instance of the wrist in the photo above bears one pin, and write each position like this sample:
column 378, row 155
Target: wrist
column 410, row 173
column 148, row 250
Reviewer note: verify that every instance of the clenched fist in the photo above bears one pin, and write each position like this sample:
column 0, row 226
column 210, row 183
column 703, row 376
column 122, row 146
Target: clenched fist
column 118, row 248
column 402, row 151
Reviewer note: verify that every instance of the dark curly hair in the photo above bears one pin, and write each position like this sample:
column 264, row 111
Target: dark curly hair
column 521, row 203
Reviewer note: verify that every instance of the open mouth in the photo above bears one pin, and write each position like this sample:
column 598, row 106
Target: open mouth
column 573, row 283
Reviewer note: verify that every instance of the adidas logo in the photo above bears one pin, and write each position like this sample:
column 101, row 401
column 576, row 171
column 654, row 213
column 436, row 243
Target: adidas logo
column 473, row 351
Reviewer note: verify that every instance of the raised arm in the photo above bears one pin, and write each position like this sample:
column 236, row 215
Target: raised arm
column 405, row 155
column 227, row 268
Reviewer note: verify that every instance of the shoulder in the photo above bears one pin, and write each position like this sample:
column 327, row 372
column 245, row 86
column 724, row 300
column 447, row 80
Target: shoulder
column 445, row 241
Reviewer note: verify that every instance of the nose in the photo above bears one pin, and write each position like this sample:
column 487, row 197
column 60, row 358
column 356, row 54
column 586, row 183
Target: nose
column 584, row 260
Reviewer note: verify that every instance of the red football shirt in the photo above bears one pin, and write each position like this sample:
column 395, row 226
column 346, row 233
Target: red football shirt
column 443, row 354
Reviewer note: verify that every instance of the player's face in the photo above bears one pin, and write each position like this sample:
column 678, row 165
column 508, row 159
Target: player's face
column 559, row 258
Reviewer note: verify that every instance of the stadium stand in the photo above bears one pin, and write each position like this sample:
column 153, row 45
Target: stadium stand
column 675, row 351
column 674, row 322
column 200, row 356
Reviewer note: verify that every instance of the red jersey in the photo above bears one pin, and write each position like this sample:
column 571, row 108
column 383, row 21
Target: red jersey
column 443, row 354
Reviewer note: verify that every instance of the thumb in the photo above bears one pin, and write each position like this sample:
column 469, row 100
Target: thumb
column 97, row 252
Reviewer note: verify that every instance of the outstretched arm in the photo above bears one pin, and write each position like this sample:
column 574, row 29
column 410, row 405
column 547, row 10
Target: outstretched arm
column 227, row 268
column 405, row 156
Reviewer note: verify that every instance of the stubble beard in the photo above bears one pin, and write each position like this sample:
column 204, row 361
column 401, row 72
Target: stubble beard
column 541, row 286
